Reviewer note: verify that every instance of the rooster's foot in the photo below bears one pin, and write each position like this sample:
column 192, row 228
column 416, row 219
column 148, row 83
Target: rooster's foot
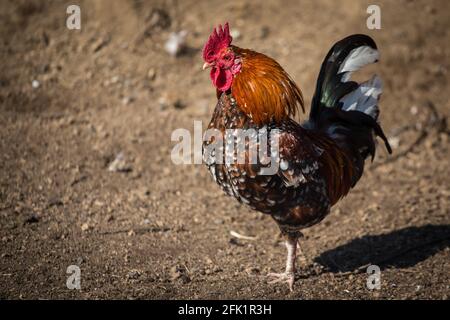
column 288, row 277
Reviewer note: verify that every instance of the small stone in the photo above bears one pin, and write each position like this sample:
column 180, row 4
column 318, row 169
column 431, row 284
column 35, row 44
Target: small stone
column 414, row 110
column 252, row 270
column 163, row 102
column 133, row 274
column 217, row 269
column 35, row 84
column 175, row 273
column 143, row 192
column 85, row 227
column 99, row 203
column 32, row 219
column 135, row 174
column 119, row 164
column 151, row 74
column 114, row 80
column 158, row 19
column 178, row 104
column 179, row 273
column 100, row 43
column 44, row 68
column 175, row 45
column 127, row 100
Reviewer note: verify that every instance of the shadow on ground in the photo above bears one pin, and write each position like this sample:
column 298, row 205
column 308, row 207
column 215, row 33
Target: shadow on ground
column 401, row 249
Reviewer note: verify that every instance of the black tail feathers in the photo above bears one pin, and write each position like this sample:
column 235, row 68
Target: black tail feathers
column 347, row 110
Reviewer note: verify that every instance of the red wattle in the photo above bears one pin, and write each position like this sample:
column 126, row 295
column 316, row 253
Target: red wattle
column 222, row 79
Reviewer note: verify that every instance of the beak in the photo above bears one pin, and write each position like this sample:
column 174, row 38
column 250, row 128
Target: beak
column 207, row 65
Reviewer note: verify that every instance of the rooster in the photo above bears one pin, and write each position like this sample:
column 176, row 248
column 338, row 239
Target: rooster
column 320, row 160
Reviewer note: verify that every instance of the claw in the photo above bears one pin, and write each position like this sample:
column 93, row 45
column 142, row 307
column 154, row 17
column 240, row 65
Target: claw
column 289, row 278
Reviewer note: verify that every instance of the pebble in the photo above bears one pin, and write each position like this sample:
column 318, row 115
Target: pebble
column 119, row 164
column 133, row 274
column 32, row 219
column 100, row 43
column 85, row 227
column 151, row 74
column 217, row 269
column 99, row 203
column 178, row 104
column 235, row 242
column 127, row 100
column 176, row 43
column 35, row 84
column 252, row 270
column 114, row 80
column 163, row 103
column 179, row 273
column 158, row 19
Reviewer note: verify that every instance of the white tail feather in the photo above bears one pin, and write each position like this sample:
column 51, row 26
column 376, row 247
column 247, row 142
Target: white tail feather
column 364, row 98
column 358, row 58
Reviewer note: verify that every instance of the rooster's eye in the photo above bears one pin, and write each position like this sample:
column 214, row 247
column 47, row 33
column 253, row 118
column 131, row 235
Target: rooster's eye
column 227, row 57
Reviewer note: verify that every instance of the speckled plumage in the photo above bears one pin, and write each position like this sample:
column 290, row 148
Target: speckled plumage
column 297, row 196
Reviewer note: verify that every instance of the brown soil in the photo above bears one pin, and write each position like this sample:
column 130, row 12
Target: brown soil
column 157, row 230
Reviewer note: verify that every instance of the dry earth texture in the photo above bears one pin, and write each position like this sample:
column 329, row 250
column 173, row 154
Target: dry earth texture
column 71, row 102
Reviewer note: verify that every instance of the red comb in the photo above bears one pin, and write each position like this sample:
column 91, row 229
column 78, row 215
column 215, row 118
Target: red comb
column 219, row 39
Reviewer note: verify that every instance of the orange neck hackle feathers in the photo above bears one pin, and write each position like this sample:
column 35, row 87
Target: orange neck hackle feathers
column 263, row 90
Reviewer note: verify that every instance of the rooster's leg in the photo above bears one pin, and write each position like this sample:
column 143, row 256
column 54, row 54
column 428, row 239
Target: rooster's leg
column 289, row 274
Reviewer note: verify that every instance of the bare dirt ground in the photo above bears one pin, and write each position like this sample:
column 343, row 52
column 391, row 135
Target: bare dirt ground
column 157, row 230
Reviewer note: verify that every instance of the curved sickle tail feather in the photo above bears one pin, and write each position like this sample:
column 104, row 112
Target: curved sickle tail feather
column 346, row 110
